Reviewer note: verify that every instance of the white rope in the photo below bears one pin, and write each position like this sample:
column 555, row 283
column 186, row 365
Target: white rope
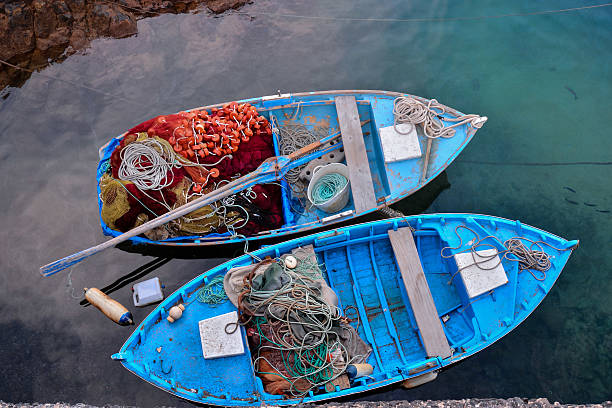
column 414, row 112
column 144, row 164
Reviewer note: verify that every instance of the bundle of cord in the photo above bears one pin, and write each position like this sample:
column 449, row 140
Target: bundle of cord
column 533, row 259
column 430, row 116
column 293, row 136
column 299, row 338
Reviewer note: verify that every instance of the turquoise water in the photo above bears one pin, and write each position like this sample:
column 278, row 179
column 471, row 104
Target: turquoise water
column 543, row 81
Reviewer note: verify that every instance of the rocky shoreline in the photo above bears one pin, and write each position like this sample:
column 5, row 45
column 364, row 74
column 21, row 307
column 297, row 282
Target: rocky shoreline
column 35, row 33
column 465, row 403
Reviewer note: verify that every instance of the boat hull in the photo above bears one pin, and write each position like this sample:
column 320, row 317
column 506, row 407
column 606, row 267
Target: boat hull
column 392, row 181
column 361, row 269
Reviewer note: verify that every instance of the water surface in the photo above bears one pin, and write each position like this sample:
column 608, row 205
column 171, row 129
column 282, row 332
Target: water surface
column 542, row 80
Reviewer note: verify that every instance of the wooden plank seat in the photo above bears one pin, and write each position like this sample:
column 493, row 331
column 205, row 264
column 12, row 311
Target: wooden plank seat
column 360, row 175
column 423, row 306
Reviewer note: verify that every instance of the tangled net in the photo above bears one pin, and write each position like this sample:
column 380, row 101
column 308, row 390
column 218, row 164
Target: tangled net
column 295, row 322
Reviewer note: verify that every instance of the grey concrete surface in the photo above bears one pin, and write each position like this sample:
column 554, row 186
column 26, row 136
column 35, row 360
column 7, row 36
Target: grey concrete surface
column 465, row 403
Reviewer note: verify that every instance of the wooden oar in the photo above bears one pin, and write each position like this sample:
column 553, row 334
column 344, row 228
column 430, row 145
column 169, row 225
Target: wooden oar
column 272, row 169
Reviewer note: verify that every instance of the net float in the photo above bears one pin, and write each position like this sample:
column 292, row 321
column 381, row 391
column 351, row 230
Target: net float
column 110, row 307
column 175, row 313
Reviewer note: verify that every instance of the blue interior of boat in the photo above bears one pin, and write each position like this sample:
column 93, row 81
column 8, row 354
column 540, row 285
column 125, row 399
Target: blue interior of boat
column 361, row 267
column 391, row 181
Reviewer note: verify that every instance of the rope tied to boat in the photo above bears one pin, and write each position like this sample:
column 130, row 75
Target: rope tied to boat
column 532, row 258
column 431, row 116
column 327, row 187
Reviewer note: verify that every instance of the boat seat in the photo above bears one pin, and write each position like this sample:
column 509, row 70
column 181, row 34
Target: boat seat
column 360, row 175
column 423, row 306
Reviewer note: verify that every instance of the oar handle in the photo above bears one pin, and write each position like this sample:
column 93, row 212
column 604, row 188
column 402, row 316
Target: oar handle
column 271, row 169
column 218, row 194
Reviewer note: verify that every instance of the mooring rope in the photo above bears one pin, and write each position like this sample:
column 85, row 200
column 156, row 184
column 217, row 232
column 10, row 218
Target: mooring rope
column 423, row 19
column 532, row 258
column 414, row 112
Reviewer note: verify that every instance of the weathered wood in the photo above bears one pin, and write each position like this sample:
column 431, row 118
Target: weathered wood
column 360, row 175
column 422, row 302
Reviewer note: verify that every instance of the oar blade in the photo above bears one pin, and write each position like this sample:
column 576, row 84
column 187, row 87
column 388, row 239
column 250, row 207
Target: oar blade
column 61, row 264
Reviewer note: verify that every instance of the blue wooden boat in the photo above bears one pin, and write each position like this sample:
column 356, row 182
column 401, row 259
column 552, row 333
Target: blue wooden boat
column 375, row 183
column 416, row 309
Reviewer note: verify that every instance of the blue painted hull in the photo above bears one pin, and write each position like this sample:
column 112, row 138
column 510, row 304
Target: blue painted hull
column 392, row 181
column 361, row 268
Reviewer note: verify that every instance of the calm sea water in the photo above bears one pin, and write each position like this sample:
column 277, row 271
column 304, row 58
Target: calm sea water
column 543, row 81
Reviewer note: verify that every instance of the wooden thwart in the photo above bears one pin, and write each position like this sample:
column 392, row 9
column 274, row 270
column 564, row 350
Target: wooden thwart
column 360, row 175
column 423, row 306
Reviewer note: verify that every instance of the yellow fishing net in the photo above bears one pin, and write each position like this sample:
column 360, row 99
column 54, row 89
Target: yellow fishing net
column 114, row 200
column 204, row 220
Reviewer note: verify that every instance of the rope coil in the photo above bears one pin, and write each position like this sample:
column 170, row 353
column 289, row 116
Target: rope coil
column 213, row 293
column 532, row 258
column 431, row 116
column 146, row 165
column 328, row 187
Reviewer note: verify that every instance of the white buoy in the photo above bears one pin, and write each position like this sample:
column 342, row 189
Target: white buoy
column 290, row 261
column 359, row 370
column 420, row 380
column 110, row 307
column 175, row 313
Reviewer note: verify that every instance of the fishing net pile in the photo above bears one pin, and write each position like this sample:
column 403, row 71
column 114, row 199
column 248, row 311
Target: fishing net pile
column 171, row 160
column 298, row 338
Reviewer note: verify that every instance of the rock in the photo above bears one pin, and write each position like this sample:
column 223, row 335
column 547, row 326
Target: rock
column 34, row 32
column 220, row 6
column 17, row 36
column 122, row 25
column 78, row 39
column 61, row 37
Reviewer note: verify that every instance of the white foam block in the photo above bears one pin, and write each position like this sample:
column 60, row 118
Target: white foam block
column 215, row 341
column 397, row 146
column 480, row 278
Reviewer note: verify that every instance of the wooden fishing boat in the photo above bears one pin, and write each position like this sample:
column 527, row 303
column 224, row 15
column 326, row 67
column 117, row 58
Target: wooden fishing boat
column 411, row 285
column 381, row 168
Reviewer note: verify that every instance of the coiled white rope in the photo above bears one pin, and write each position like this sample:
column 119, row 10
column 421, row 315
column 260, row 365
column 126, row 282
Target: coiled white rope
column 146, row 165
column 412, row 111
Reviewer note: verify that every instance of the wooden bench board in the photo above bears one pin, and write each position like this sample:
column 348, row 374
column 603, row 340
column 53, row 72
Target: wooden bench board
column 423, row 306
column 360, row 175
